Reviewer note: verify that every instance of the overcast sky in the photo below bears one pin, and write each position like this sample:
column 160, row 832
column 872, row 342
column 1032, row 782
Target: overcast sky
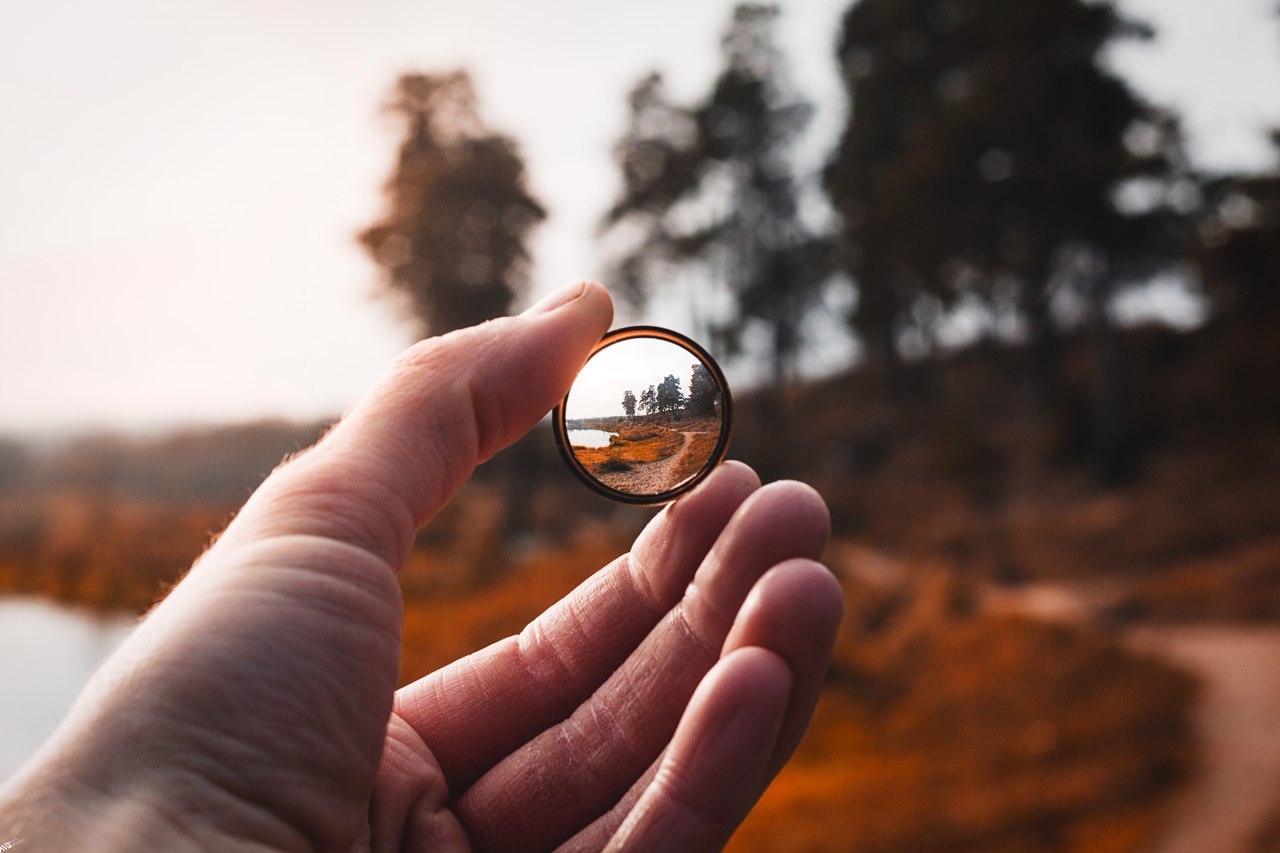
column 179, row 182
column 631, row 365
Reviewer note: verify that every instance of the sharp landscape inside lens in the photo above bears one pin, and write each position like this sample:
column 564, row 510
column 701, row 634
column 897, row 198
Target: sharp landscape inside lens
column 647, row 417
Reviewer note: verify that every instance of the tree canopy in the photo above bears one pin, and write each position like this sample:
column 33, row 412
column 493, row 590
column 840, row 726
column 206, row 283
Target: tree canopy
column 989, row 154
column 453, row 236
column 710, row 189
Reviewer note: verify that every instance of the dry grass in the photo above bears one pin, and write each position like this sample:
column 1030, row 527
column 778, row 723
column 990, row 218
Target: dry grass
column 111, row 554
column 701, row 446
column 939, row 729
column 942, row 729
column 631, row 446
column 1241, row 585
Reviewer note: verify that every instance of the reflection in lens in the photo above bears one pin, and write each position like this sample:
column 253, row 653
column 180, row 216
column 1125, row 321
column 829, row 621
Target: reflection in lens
column 645, row 417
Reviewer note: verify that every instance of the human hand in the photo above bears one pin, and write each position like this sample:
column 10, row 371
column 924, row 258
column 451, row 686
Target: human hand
column 255, row 706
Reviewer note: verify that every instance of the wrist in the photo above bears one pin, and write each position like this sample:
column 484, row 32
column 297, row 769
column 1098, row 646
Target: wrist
column 57, row 814
column 42, row 813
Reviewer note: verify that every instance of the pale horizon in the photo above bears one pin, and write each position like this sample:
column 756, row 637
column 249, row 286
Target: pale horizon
column 182, row 183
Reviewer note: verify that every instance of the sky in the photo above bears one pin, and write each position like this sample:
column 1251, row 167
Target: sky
column 180, row 182
column 630, row 365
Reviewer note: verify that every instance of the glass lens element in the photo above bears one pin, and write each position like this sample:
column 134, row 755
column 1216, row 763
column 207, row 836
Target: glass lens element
column 647, row 417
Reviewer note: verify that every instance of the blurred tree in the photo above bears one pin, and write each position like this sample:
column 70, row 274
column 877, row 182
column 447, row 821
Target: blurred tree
column 987, row 148
column 629, row 403
column 659, row 158
column 15, row 465
column 990, row 155
column 453, row 237
column 710, row 190
column 1239, row 248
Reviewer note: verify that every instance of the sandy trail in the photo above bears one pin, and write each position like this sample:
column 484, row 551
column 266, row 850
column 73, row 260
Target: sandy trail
column 1224, row 805
column 649, row 478
column 1239, row 668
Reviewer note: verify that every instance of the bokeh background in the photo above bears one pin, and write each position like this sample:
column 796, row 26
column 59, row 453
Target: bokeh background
column 999, row 278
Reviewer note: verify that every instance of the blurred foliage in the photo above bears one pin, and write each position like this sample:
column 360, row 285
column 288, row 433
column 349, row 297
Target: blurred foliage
column 943, row 728
column 710, row 189
column 1239, row 247
column 990, row 159
column 453, row 238
column 991, row 164
column 989, row 154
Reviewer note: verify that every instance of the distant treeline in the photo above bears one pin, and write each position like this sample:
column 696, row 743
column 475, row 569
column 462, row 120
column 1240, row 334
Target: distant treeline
column 221, row 464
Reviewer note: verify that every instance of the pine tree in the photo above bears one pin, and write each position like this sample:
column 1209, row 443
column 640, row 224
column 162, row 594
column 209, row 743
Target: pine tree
column 453, row 237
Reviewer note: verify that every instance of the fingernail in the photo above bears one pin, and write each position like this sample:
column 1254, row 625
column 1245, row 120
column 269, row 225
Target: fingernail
column 556, row 299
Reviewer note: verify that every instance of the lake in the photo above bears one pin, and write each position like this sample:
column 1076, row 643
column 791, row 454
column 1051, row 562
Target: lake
column 47, row 653
column 590, row 437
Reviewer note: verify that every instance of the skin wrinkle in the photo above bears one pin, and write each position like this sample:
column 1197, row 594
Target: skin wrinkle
column 484, row 690
column 595, row 834
column 801, row 635
column 619, row 747
column 487, row 416
column 747, row 693
column 172, row 784
column 793, row 636
column 673, row 790
column 310, row 590
column 325, row 503
column 698, row 609
column 437, row 450
column 425, row 495
column 640, row 580
column 378, row 580
column 404, row 756
column 490, row 413
column 260, row 681
column 181, row 813
column 233, row 775
column 532, row 647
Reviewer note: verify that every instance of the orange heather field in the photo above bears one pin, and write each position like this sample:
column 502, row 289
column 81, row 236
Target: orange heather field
column 990, row 688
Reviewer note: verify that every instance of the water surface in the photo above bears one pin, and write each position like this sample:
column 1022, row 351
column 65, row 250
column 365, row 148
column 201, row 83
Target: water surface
column 590, row 437
column 47, row 653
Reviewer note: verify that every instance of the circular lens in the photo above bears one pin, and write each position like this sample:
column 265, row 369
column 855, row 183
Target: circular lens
column 647, row 417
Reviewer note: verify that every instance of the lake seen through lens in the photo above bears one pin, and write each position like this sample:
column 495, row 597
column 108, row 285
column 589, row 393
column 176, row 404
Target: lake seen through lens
column 590, row 437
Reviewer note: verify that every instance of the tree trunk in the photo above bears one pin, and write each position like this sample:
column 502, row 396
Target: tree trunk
column 1046, row 349
column 1115, row 453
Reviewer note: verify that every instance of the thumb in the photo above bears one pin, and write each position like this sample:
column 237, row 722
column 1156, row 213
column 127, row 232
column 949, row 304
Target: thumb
column 448, row 404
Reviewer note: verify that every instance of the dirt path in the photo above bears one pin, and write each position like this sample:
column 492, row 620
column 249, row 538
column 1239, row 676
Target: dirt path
column 649, row 478
column 1224, row 805
column 1236, row 720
